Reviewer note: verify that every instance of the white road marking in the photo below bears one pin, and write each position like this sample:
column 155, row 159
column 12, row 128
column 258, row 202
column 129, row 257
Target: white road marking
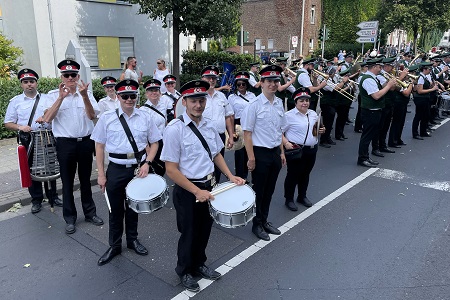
column 442, row 123
column 404, row 178
column 239, row 258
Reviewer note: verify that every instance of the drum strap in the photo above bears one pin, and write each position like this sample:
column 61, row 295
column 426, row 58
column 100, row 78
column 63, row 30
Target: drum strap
column 130, row 137
column 155, row 110
column 199, row 135
column 38, row 96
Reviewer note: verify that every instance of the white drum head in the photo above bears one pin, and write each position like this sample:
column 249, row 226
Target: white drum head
column 234, row 200
column 146, row 188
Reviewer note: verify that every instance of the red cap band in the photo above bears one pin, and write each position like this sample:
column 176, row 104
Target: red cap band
column 194, row 90
column 127, row 88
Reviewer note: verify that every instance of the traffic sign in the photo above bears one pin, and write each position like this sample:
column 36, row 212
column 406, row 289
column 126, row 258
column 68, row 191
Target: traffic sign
column 367, row 33
column 366, row 39
column 294, row 41
column 368, row 25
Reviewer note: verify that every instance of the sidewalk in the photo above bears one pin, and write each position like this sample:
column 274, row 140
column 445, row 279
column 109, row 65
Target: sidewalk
column 11, row 191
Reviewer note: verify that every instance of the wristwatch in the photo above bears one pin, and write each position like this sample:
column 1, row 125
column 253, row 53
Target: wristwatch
column 146, row 162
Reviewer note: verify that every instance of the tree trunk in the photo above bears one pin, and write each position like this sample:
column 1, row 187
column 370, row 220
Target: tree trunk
column 415, row 33
column 176, row 51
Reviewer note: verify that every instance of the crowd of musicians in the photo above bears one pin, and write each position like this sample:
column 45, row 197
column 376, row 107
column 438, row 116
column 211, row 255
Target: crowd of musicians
column 280, row 114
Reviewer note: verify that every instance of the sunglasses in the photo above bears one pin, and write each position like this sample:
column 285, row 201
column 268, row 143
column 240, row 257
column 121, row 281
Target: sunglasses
column 28, row 81
column 126, row 97
column 73, row 75
column 158, row 63
column 241, row 84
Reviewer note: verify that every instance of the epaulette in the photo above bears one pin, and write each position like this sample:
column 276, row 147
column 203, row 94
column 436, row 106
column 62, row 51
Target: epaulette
column 174, row 121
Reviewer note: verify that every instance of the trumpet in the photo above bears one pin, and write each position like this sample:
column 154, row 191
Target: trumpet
column 289, row 72
column 400, row 83
column 318, row 73
column 333, row 85
column 412, row 77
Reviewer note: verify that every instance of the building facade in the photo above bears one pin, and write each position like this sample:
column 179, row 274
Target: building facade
column 272, row 24
column 108, row 31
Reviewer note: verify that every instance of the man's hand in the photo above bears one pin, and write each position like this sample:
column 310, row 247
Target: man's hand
column 63, row 91
column 101, row 180
column 83, row 88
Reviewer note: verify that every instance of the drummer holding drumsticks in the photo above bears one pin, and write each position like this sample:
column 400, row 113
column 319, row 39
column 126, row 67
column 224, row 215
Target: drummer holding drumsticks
column 191, row 149
column 109, row 134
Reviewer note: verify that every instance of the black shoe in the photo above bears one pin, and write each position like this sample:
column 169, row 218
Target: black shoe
column 189, row 283
column 207, row 273
column 387, row 150
column 377, row 153
column 366, row 163
column 109, row 255
column 349, row 121
column 435, row 123
column 260, row 233
column 70, row 228
column 137, row 247
column 339, row 138
column 417, row 137
column 331, row 142
column 95, row 220
column 394, row 146
column 304, row 201
column 57, row 202
column 401, row 143
column 324, row 145
column 358, row 130
column 268, row 227
column 291, row 205
column 343, row 136
column 373, row 162
column 35, row 208
column 425, row 135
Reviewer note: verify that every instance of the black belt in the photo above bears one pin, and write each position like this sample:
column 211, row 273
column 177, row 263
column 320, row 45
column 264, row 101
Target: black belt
column 204, row 182
column 267, row 149
column 204, row 185
column 127, row 155
column 119, row 166
column 80, row 139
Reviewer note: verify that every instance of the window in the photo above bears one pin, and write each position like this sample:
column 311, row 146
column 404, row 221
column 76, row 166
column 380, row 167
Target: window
column 257, row 44
column 311, row 44
column 270, row 44
column 313, row 14
column 106, row 52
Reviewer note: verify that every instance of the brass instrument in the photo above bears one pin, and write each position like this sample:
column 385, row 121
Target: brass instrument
column 400, row 83
column 289, row 72
column 412, row 77
column 333, row 85
column 414, row 59
column 318, row 73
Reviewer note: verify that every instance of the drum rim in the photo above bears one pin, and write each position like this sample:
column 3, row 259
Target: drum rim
column 134, row 178
column 233, row 213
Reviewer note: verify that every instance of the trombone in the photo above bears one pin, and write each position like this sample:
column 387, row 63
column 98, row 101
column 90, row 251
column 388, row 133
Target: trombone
column 333, row 85
column 400, row 83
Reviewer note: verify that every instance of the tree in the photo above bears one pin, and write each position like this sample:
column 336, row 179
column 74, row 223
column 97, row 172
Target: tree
column 10, row 57
column 415, row 16
column 204, row 18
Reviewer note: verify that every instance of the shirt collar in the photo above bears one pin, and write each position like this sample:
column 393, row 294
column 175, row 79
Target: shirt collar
column 187, row 120
column 121, row 112
column 26, row 97
column 265, row 100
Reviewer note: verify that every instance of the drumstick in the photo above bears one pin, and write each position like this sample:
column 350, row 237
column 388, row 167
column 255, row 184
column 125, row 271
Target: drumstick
column 218, row 191
column 107, row 201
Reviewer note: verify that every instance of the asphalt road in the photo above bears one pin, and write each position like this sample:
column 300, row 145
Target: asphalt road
column 372, row 234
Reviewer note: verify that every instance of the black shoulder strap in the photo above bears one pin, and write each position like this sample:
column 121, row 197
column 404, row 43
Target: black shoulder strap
column 199, row 135
column 171, row 96
column 38, row 96
column 129, row 136
column 243, row 97
column 155, row 110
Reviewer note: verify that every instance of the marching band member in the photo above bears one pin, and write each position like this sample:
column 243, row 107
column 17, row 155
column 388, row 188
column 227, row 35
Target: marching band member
column 358, row 121
column 191, row 167
column 285, row 89
column 218, row 109
column 255, row 84
column 298, row 132
column 304, row 80
column 157, row 107
column 343, row 105
column 171, row 94
column 109, row 134
column 17, row 116
column 422, row 96
column 262, row 126
column 328, row 105
column 239, row 100
column 372, row 103
column 110, row 102
column 72, row 108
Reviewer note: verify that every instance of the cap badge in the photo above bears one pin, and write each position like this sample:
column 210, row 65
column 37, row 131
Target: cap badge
column 128, row 88
column 197, row 90
column 69, row 67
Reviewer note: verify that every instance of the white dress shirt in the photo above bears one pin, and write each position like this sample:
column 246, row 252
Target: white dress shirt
column 265, row 120
column 370, row 84
column 303, row 78
column 296, row 127
column 109, row 131
column 217, row 109
column 19, row 111
column 240, row 104
column 107, row 103
column 161, row 106
column 183, row 147
column 71, row 120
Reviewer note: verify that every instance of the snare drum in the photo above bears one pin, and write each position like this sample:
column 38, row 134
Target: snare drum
column 234, row 207
column 148, row 194
column 445, row 101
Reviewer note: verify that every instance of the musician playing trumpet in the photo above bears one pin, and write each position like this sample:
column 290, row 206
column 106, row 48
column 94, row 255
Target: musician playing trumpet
column 304, row 80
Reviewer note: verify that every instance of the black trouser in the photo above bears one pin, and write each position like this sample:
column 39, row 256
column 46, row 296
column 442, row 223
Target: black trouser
column 264, row 179
column 371, row 121
column 70, row 155
column 385, row 123
column 398, row 121
column 240, row 163
column 117, row 178
column 422, row 115
column 194, row 223
column 158, row 165
column 313, row 104
column 342, row 117
column 328, row 112
column 358, row 120
column 298, row 171
column 217, row 171
column 36, row 191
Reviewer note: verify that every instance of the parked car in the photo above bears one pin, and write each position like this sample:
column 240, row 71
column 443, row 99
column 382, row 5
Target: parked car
column 265, row 56
column 279, row 54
